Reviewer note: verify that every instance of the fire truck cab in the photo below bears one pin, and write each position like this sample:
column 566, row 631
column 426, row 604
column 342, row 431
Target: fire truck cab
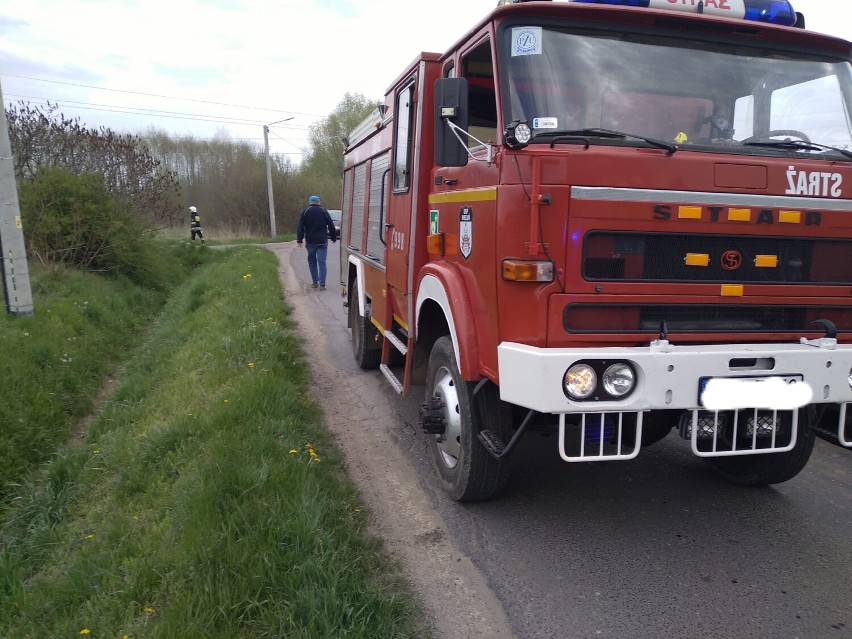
column 613, row 219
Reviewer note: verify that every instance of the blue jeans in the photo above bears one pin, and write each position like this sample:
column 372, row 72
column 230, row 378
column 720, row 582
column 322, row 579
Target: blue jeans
column 316, row 261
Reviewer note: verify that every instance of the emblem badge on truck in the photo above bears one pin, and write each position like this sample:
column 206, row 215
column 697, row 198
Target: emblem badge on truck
column 466, row 231
column 731, row 260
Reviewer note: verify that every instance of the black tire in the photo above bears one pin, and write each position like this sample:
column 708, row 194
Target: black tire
column 656, row 425
column 465, row 469
column 773, row 468
column 365, row 336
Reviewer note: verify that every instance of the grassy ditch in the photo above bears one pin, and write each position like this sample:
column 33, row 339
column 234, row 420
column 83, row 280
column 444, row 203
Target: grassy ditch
column 207, row 500
column 54, row 361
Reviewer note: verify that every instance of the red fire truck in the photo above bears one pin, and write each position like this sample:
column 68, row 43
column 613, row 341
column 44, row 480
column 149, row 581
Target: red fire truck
column 612, row 219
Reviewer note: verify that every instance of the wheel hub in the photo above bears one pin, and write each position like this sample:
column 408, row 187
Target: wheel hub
column 449, row 439
column 432, row 420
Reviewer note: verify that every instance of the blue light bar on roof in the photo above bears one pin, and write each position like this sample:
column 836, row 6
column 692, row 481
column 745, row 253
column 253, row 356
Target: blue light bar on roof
column 774, row 11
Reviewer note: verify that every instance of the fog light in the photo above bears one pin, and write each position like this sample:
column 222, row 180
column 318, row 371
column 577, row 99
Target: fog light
column 580, row 381
column 706, row 425
column 765, row 426
column 618, row 380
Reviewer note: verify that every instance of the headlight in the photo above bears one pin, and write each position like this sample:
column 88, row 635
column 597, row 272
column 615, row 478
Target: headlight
column 580, row 381
column 618, row 380
column 517, row 135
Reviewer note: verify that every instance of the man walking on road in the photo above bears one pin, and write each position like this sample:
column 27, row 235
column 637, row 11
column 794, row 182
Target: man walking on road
column 316, row 228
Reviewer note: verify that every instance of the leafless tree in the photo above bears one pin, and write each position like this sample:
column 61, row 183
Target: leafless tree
column 132, row 175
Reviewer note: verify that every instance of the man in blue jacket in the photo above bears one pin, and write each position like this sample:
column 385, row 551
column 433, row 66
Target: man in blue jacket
column 316, row 228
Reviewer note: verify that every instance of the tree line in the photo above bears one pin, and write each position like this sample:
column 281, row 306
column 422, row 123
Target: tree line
column 152, row 178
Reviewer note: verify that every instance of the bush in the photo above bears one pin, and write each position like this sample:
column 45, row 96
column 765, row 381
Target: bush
column 72, row 220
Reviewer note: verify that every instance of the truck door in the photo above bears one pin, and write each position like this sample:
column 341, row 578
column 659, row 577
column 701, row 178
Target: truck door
column 403, row 187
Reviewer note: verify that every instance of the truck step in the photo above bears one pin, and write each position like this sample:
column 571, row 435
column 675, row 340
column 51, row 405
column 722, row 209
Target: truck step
column 392, row 378
column 397, row 343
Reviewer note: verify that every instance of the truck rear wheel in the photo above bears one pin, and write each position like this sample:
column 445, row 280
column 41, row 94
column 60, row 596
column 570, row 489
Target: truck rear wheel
column 773, row 468
column 466, row 470
column 364, row 335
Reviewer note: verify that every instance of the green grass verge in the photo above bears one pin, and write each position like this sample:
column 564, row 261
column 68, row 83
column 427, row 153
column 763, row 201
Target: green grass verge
column 54, row 361
column 207, row 501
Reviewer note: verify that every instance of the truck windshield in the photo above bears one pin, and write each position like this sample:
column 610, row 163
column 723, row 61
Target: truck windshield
column 704, row 96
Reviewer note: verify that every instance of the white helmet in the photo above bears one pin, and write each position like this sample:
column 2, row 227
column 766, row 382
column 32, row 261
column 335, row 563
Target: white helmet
column 192, row 209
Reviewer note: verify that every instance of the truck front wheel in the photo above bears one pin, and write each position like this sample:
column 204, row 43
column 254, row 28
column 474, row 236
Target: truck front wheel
column 466, row 470
column 772, row 468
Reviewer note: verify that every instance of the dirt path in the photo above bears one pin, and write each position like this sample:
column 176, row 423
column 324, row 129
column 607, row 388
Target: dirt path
column 458, row 601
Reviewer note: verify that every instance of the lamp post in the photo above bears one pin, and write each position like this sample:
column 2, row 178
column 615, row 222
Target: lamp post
column 272, row 230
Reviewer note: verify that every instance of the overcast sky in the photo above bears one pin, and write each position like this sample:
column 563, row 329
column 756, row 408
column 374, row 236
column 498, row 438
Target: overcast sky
column 201, row 67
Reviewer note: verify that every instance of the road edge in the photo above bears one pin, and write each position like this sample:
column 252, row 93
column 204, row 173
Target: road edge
column 455, row 594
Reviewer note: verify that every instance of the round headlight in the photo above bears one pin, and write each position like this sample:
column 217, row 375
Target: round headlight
column 618, row 380
column 580, row 381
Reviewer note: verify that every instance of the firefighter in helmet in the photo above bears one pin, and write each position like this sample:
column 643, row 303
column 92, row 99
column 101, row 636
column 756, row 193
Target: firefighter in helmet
column 195, row 224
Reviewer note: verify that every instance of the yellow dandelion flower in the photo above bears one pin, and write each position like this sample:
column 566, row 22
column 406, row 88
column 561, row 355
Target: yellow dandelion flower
column 246, row 276
column 90, row 536
column 227, row 401
column 85, row 631
column 251, row 364
column 294, row 452
column 148, row 610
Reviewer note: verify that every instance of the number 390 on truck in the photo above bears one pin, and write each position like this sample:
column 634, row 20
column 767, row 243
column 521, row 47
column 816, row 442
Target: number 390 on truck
column 613, row 220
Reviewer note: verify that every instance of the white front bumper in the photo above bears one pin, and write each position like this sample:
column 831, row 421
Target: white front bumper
column 667, row 376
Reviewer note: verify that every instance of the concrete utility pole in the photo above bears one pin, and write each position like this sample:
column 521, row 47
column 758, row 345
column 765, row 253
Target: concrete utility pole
column 272, row 231
column 16, row 272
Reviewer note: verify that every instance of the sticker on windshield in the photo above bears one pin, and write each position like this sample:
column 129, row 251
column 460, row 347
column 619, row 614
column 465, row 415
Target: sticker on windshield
column 545, row 123
column 526, row 41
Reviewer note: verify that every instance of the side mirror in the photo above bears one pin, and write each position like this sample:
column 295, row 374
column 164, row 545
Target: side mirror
column 450, row 105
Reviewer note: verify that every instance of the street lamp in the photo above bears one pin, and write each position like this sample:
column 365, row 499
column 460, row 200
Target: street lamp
column 272, row 230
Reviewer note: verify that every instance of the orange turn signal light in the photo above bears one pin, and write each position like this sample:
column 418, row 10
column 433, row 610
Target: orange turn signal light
column 527, row 271
column 435, row 244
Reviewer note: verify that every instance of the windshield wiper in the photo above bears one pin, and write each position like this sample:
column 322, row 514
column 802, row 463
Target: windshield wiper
column 582, row 134
column 798, row 145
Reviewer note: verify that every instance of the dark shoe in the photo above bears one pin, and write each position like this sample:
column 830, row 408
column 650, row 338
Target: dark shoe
column 322, row 287
column 314, row 285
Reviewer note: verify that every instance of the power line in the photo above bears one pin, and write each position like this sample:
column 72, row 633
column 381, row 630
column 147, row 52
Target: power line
column 112, row 108
column 159, row 113
column 286, row 140
column 155, row 95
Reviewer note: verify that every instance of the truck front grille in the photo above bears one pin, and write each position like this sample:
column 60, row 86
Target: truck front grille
column 671, row 257
column 702, row 318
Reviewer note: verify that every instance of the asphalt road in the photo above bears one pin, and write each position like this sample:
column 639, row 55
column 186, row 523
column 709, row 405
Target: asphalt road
column 654, row 547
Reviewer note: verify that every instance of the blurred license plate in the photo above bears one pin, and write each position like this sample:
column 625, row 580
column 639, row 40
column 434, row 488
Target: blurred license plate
column 779, row 392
